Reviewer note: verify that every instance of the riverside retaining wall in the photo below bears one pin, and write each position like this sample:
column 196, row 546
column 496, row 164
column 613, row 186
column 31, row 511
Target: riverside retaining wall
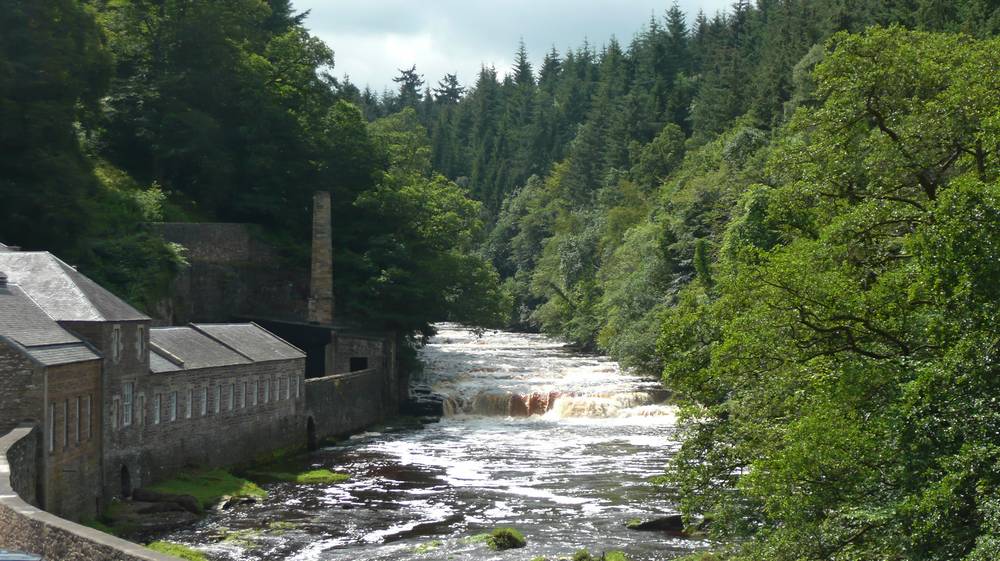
column 26, row 528
column 344, row 403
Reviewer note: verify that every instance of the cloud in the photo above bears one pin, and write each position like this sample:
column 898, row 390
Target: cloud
column 375, row 38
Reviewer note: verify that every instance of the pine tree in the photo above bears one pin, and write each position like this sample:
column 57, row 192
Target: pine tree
column 409, row 88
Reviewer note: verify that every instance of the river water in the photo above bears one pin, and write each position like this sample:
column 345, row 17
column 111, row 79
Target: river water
column 557, row 444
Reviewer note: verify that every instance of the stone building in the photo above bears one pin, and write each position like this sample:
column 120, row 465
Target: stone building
column 152, row 401
column 219, row 394
column 52, row 377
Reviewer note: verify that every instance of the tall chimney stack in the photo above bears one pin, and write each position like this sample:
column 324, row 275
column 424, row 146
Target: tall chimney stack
column 321, row 281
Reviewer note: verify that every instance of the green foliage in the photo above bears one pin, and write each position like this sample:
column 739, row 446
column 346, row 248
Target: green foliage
column 506, row 538
column 837, row 375
column 310, row 477
column 177, row 550
column 208, row 486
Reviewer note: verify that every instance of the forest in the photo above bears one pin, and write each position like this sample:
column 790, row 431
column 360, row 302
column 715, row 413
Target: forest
column 790, row 210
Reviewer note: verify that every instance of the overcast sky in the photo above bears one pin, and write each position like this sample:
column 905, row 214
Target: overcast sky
column 373, row 38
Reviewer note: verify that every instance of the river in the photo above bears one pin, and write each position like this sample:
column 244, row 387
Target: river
column 555, row 443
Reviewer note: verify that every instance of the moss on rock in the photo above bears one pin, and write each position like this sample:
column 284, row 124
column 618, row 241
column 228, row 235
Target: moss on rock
column 506, row 538
column 177, row 550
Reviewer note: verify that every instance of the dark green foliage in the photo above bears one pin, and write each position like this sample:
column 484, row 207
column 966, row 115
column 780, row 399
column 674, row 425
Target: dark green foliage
column 120, row 113
column 506, row 538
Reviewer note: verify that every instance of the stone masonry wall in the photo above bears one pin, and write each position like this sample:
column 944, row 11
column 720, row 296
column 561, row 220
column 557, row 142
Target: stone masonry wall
column 132, row 365
column 233, row 435
column 21, row 387
column 344, row 403
column 26, row 528
column 73, row 464
column 230, row 274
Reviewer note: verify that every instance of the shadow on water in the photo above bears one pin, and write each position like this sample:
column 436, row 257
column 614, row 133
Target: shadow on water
column 568, row 477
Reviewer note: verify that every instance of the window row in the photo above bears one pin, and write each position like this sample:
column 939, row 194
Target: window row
column 236, row 394
column 75, row 421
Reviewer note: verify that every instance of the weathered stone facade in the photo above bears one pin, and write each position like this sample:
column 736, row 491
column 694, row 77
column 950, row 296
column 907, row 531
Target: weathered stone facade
column 124, row 346
column 26, row 528
column 230, row 274
column 343, row 403
column 72, row 453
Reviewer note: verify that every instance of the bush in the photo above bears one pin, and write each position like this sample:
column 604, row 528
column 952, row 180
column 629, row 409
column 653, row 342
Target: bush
column 506, row 538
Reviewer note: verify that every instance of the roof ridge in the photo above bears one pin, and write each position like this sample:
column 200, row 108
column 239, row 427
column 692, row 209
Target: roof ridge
column 223, row 343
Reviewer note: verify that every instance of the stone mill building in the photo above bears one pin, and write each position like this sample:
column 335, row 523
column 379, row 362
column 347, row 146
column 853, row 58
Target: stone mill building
column 98, row 399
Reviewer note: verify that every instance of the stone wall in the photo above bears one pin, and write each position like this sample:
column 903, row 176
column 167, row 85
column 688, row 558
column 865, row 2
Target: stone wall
column 26, row 528
column 230, row 273
column 131, row 366
column 233, row 435
column 73, row 464
column 21, row 388
column 344, row 403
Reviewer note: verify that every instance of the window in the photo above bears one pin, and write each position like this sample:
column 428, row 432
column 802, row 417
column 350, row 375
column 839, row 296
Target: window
column 87, row 401
column 204, row 401
column 78, row 419
column 127, row 389
column 283, row 388
column 66, row 424
column 246, row 396
column 232, row 395
column 116, row 344
column 256, row 387
column 140, row 343
column 190, row 404
column 114, row 412
column 52, row 426
column 298, row 387
column 359, row 363
column 141, row 410
column 218, row 398
column 173, row 406
column 157, row 404
column 267, row 391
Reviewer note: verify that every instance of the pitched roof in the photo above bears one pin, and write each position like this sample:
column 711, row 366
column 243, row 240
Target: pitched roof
column 62, row 292
column 25, row 323
column 251, row 340
column 3, row 247
column 212, row 345
column 187, row 348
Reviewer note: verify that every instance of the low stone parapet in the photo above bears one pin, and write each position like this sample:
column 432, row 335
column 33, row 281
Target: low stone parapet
column 24, row 527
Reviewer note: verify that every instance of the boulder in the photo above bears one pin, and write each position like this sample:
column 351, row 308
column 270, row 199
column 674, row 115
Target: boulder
column 187, row 502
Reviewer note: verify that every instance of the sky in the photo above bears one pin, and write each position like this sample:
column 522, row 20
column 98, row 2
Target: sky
column 373, row 39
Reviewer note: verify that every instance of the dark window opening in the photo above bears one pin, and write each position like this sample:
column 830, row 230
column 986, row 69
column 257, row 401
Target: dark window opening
column 359, row 363
column 311, row 440
column 126, row 483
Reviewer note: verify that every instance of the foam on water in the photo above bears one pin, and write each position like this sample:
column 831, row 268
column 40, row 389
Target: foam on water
column 558, row 444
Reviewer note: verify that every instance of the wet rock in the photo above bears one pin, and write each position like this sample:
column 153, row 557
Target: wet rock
column 227, row 502
column 423, row 402
column 517, row 406
column 187, row 502
column 673, row 524
column 157, row 508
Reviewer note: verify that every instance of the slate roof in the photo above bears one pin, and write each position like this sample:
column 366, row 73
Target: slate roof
column 213, row 345
column 62, row 292
column 252, row 341
column 194, row 349
column 24, row 322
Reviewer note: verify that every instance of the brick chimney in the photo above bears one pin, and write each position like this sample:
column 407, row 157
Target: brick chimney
column 321, row 281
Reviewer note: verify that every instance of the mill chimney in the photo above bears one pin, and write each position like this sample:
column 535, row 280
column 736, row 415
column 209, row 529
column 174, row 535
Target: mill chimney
column 321, row 280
